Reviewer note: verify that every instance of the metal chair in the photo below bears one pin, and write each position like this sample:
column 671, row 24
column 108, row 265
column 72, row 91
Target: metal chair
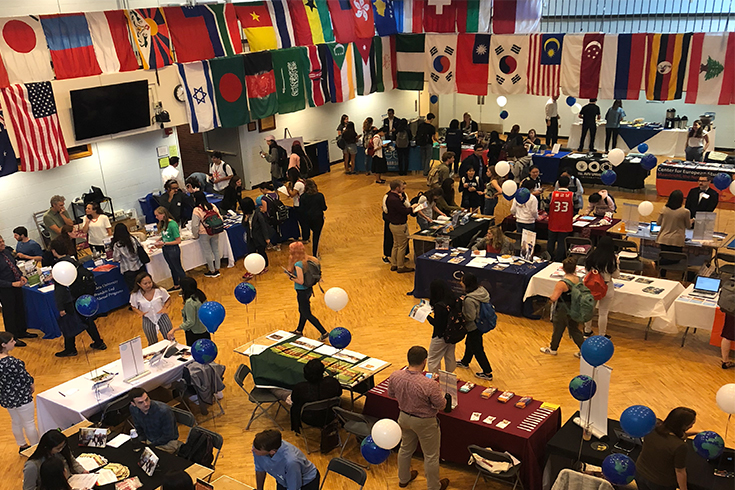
column 262, row 397
column 347, row 469
column 355, row 424
column 184, row 418
column 516, row 237
column 179, row 390
column 217, row 443
column 628, row 264
column 42, row 231
column 572, row 241
column 116, row 412
column 727, row 269
column 318, row 406
column 673, row 261
column 507, row 476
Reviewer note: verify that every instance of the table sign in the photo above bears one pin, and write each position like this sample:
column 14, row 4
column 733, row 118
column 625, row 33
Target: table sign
column 593, row 413
column 630, row 218
column 704, row 226
column 448, row 383
column 528, row 244
column 555, row 149
column 131, row 356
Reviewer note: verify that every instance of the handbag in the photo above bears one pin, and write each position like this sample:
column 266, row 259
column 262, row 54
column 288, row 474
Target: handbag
column 330, row 437
column 142, row 254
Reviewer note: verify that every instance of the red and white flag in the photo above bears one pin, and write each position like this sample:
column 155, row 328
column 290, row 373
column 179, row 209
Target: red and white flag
column 711, row 69
column 544, row 64
column 364, row 23
column 440, row 15
column 388, row 62
column 31, row 109
column 581, row 61
column 516, row 16
column 111, row 41
column 24, row 50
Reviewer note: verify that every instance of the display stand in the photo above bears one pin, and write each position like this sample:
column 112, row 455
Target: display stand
column 131, row 357
column 704, row 226
column 448, row 383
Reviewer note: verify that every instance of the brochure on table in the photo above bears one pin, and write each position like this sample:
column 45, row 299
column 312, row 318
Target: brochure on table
column 528, row 243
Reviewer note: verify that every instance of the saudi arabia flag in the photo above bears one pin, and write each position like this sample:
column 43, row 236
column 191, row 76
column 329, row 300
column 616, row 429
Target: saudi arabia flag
column 410, row 61
column 291, row 67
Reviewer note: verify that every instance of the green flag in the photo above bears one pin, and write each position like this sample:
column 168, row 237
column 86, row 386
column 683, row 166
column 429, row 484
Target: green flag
column 410, row 61
column 291, row 68
column 228, row 75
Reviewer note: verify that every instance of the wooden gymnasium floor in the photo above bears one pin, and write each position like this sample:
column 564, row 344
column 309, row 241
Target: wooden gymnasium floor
column 658, row 372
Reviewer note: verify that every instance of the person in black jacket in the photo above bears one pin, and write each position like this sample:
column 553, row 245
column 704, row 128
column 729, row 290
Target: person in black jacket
column 703, row 197
column 71, row 322
column 175, row 200
column 475, row 160
column 443, row 300
column 257, row 230
column 11, row 296
column 313, row 206
column 232, row 198
column 316, row 387
column 453, row 139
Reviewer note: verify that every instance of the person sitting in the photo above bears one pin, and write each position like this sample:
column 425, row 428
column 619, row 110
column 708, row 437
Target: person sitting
column 25, row 248
column 54, row 475
column 601, row 203
column 284, row 462
column 474, row 160
column 316, row 387
column 702, row 198
column 494, row 242
column 154, row 421
column 445, row 202
column 53, row 445
column 575, row 186
column 514, row 140
column 531, row 140
column 468, row 128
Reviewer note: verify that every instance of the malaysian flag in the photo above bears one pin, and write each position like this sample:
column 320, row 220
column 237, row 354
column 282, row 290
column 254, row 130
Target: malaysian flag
column 32, row 111
column 544, row 63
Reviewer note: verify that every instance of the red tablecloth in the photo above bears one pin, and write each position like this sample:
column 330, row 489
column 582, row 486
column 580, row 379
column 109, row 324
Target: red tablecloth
column 542, row 227
column 458, row 431
column 469, row 151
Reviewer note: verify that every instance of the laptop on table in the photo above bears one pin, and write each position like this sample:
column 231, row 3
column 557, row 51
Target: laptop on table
column 706, row 287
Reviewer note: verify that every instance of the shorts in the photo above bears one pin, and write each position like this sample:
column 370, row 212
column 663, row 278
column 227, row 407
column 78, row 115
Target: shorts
column 351, row 148
column 728, row 329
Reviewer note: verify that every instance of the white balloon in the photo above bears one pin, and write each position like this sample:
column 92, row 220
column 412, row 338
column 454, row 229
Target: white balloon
column 725, row 398
column 64, row 273
column 336, row 298
column 386, row 433
column 254, row 263
column 502, row 168
column 732, row 187
column 509, row 187
column 576, row 108
column 645, row 208
column 502, row 100
column 616, row 156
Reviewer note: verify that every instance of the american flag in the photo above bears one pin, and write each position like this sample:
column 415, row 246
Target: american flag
column 544, row 64
column 32, row 111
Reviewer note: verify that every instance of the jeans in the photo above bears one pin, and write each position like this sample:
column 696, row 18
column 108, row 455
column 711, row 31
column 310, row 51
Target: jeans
column 387, row 239
column 438, row 350
column 312, row 485
column 172, row 255
column 402, row 160
column 561, row 322
column 694, row 153
column 400, row 241
column 603, row 310
column 611, row 133
column 14, row 314
column 316, row 231
column 593, row 132
column 427, row 152
column 305, row 232
column 22, row 419
column 552, row 131
column 556, row 245
column 303, row 297
column 426, row 431
column 489, row 208
column 525, row 226
column 473, row 348
column 261, row 251
column 210, row 250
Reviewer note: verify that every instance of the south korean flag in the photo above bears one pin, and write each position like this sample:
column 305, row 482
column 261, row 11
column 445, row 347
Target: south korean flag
column 441, row 50
column 509, row 64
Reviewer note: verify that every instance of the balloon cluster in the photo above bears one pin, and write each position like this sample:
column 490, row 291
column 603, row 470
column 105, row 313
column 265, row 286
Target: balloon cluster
column 385, row 435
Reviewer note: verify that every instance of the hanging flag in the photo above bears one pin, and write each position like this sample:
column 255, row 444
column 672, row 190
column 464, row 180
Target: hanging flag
column 516, row 16
column 201, row 32
column 474, row 16
column 201, row 108
column 440, row 15
column 341, row 72
column 24, row 51
column 366, row 67
column 711, row 69
column 70, row 44
column 473, row 57
column 410, row 61
column 364, row 23
column 508, row 64
column 581, row 64
column 31, row 109
column 441, row 52
column 544, row 64
column 621, row 73
column 111, row 41
column 4, row 82
column 290, row 67
column 261, row 84
column 309, row 25
column 409, row 16
column 342, row 21
column 666, row 64
column 385, row 17
column 231, row 99
column 8, row 162
column 257, row 26
column 150, row 37
column 317, row 87
column 385, row 58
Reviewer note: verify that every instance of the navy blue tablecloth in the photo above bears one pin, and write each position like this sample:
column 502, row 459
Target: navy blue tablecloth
column 41, row 311
column 289, row 230
column 506, row 287
column 635, row 136
column 548, row 164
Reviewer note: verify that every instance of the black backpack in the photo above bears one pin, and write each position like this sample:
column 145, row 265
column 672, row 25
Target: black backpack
column 277, row 211
column 282, row 159
column 455, row 330
column 198, row 449
column 84, row 283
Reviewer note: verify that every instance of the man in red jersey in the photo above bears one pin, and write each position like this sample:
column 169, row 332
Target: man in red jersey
column 561, row 212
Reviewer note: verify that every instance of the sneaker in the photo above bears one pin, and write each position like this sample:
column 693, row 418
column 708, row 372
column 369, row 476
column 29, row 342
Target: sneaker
column 393, row 268
column 488, row 377
column 405, row 269
column 607, row 336
column 578, row 354
column 460, row 364
column 247, row 276
column 66, row 353
column 588, row 333
column 172, row 289
column 263, row 271
column 23, row 448
column 27, row 335
column 728, row 365
column 547, row 350
column 98, row 345
column 443, row 483
column 211, row 274
column 20, row 343
column 414, row 474
column 386, row 260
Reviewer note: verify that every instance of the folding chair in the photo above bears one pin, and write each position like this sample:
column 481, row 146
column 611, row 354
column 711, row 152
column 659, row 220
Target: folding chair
column 318, row 406
column 217, row 443
column 355, row 424
column 116, row 412
column 262, row 397
column 184, row 418
column 673, row 261
column 573, row 241
column 510, row 476
column 347, row 469
column 626, row 248
column 516, row 237
column 726, row 269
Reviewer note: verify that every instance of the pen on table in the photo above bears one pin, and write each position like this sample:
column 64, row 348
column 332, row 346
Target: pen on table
column 60, row 393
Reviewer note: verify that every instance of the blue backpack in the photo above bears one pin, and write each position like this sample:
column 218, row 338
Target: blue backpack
column 487, row 319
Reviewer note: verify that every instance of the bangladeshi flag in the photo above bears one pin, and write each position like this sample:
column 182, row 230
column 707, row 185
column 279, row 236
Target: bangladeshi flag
column 228, row 75
column 261, row 84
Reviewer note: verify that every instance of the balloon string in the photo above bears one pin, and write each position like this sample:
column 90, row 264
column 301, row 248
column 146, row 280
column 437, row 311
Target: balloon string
column 727, row 427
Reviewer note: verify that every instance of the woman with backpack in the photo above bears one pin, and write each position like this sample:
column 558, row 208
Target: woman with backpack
column 299, row 159
column 298, row 264
column 475, row 295
column 206, row 225
column 258, row 231
column 313, row 205
column 125, row 251
column 169, row 245
column 151, row 303
column 602, row 261
column 443, row 302
column 192, row 326
column 562, row 299
column 295, row 187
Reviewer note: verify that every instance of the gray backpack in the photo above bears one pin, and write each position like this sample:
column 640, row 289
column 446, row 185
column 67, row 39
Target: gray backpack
column 727, row 297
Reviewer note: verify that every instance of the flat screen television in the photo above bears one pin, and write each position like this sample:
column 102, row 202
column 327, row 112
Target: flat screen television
column 110, row 109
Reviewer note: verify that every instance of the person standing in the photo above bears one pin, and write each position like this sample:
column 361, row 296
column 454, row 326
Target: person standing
column 614, row 115
column 443, row 302
column 16, row 394
column 674, row 220
column 25, row 248
column 526, row 214
column 403, row 143
column 56, row 217
column 296, row 188
column 397, row 214
column 589, row 115
column 298, row 262
column 205, row 227
column 703, row 197
column 425, row 216
column 561, row 217
column 169, row 244
column 11, row 296
column 562, row 299
column 380, row 165
column 602, row 260
column 472, row 193
column 192, row 326
column 313, row 205
column 601, row 203
column 368, row 131
column 152, row 303
column 575, row 187
column 276, row 156
column 97, row 226
column 552, row 121
column 419, row 400
column 172, row 172
column 425, row 136
column 728, row 338
column 453, row 139
column 284, row 462
column 258, row 231
column 300, row 160
column 440, row 170
column 349, row 137
column 232, row 196
column 219, row 172
column 174, row 199
column 125, row 252
column 474, row 296
column 697, row 139
column 390, row 124
column 474, row 160
column 534, row 176
column 493, row 188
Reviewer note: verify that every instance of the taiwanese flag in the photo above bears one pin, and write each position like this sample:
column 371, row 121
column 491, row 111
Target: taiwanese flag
column 342, row 21
column 70, row 43
column 201, row 32
column 228, row 76
column 261, row 85
column 440, row 16
column 666, row 64
column 473, row 61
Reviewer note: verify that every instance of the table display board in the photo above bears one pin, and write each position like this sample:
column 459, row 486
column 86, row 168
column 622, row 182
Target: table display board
column 683, row 176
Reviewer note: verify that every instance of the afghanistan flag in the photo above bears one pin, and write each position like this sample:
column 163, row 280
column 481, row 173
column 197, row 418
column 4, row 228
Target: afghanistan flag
column 666, row 65
column 410, row 61
column 261, row 85
column 291, row 67
column 228, row 75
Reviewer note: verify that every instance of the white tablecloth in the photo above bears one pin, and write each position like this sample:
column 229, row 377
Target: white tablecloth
column 630, row 299
column 191, row 257
column 56, row 410
column 696, row 314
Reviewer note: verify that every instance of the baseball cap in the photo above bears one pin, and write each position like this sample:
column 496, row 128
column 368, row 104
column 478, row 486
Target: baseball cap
column 270, row 137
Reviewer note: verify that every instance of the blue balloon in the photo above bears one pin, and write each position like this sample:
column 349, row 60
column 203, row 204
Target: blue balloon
column 372, row 453
column 212, row 314
column 509, row 198
column 571, row 101
column 504, row 115
column 642, row 148
column 245, row 293
column 434, row 99
column 608, row 177
column 648, row 161
column 340, row 337
column 709, row 445
column 87, row 305
column 722, row 181
column 597, row 350
column 619, row 469
column 638, row 420
column 582, row 387
column 204, row 351
column 522, row 195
